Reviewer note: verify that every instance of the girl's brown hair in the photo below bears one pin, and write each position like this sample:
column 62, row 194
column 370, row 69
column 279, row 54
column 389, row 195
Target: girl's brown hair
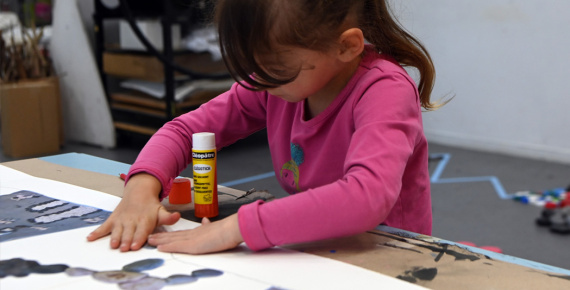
column 250, row 28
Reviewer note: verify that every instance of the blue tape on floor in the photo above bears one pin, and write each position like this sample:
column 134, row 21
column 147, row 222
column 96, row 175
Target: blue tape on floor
column 435, row 177
column 445, row 157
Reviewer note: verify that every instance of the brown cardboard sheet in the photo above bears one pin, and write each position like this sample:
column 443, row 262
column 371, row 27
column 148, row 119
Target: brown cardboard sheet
column 92, row 180
column 431, row 264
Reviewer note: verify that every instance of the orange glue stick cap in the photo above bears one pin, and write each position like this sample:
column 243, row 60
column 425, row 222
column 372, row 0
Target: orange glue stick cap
column 180, row 193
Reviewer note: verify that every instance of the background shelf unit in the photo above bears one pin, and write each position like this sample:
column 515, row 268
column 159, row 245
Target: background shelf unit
column 134, row 111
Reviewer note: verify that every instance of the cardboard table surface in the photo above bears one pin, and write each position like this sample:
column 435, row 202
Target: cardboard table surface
column 424, row 260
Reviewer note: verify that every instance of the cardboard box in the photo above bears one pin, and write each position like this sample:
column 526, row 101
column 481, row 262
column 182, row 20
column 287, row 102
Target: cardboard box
column 30, row 113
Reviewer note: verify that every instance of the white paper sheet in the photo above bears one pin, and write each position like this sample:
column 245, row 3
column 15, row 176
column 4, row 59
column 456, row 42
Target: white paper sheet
column 243, row 268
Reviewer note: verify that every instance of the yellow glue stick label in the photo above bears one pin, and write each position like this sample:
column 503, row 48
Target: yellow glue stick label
column 205, row 180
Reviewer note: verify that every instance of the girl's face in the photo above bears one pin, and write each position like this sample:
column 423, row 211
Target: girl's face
column 316, row 78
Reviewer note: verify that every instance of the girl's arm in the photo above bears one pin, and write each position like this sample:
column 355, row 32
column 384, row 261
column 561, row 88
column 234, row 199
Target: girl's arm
column 231, row 116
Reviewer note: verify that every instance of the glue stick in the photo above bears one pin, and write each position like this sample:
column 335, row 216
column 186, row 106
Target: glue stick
column 205, row 175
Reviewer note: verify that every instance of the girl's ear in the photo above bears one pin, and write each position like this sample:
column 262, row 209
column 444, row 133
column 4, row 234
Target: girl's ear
column 351, row 44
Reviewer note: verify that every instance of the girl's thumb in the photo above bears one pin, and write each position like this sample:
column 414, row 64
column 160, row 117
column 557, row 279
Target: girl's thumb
column 167, row 218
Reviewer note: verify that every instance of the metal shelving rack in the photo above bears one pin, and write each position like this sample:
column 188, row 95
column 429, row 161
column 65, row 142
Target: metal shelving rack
column 143, row 115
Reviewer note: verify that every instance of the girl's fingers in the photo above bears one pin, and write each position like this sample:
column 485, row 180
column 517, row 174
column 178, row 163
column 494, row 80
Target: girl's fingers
column 127, row 238
column 187, row 237
column 192, row 246
column 155, row 240
column 166, row 236
column 139, row 238
column 167, row 218
column 207, row 238
column 185, row 246
column 116, row 235
column 100, row 232
column 174, row 247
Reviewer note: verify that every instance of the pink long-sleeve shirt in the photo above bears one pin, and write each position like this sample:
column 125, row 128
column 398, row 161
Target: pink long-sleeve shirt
column 360, row 163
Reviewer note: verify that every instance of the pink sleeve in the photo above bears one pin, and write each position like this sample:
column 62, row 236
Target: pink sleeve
column 387, row 130
column 231, row 116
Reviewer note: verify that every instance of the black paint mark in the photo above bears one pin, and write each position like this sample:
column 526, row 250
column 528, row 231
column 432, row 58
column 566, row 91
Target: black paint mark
column 402, row 248
column 49, row 269
column 407, row 278
column 180, row 279
column 441, row 253
column 412, row 276
column 117, row 277
column 128, row 278
column 146, row 283
column 437, row 248
column 143, row 265
column 426, row 274
column 387, row 236
column 443, row 250
column 21, row 268
column 205, row 273
column 78, row 271
column 565, row 277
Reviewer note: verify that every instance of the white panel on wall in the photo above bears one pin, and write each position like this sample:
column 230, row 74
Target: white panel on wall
column 507, row 64
column 86, row 113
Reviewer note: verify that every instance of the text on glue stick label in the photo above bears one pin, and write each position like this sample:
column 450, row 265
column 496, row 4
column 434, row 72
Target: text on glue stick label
column 203, row 164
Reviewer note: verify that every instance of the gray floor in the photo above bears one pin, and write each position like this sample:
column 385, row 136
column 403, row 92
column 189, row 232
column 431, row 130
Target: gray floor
column 463, row 211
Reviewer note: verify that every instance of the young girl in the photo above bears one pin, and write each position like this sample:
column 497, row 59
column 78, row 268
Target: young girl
column 343, row 121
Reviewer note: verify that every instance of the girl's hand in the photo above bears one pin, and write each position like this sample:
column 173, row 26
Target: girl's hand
column 136, row 216
column 207, row 238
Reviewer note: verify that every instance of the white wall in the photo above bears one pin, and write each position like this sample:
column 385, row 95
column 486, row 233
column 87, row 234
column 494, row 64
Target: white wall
column 508, row 65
